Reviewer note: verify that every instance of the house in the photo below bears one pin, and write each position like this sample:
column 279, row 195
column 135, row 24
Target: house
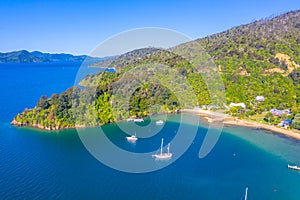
column 277, row 112
column 237, row 105
column 285, row 123
column 260, row 98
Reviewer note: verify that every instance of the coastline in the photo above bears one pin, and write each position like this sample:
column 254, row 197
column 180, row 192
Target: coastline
column 211, row 116
column 38, row 126
column 287, row 132
column 60, row 128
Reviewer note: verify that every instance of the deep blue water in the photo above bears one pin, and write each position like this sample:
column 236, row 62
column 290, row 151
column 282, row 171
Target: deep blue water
column 40, row 164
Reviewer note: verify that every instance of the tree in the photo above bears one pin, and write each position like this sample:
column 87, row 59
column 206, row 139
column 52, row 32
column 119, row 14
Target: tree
column 43, row 102
column 269, row 117
column 296, row 121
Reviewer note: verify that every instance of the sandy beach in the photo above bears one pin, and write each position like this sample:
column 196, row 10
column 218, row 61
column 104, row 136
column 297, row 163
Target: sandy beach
column 229, row 120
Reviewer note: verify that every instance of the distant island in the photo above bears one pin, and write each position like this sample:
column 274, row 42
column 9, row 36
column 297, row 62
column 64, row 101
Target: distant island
column 24, row 56
column 258, row 63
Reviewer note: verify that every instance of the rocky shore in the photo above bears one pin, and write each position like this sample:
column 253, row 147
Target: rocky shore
column 20, row 124
column 205, row 114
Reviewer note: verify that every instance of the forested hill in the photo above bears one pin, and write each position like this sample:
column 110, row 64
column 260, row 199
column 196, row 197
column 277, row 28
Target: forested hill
column 261, row 58
column 126, row 58
column 261, row 43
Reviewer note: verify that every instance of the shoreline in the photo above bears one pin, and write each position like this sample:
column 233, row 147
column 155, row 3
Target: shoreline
column 287, row 132
column 60, row 128
column 211, row 116
column 40, row 127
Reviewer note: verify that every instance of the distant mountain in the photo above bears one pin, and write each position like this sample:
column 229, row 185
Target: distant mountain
column 20, row 57
column 59, row 57
column 24, row 56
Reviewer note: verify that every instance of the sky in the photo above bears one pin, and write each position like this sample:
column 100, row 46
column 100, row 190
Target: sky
column 78, row 26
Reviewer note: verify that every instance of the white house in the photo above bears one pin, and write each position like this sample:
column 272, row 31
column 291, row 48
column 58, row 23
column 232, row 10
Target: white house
column 277, row 112
column 260, row 98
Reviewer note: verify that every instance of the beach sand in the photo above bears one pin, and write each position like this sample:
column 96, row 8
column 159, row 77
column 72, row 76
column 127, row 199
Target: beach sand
column 229, row 120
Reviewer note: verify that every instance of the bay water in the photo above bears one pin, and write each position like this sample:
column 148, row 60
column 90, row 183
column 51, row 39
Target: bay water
column 37, row 164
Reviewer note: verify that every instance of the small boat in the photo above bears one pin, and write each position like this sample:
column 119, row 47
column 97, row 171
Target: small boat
column 132, row 138
column 159, row 122
column 294, row 167
column 138, row 120
column 161, row 155
column 135, row 120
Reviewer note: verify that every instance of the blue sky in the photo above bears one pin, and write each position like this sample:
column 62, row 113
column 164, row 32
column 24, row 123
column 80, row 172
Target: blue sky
column 77, row 26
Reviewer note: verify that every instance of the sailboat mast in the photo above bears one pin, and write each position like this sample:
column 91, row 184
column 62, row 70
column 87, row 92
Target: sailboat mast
column 246, row 194
column 169, row 148
column 161, row 146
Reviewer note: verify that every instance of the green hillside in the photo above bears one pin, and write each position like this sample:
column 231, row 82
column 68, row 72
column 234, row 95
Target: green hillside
column 261, row 58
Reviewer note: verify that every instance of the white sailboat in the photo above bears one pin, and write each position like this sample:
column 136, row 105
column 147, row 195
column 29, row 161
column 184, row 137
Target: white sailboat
column 132, row 138
column 161, row 155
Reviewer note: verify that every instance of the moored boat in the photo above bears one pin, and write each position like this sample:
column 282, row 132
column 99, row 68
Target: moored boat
column 135, row 120
column 132, row 138
column 294, row 167
column 138, row 120
column 159, row 122
column 161, row 155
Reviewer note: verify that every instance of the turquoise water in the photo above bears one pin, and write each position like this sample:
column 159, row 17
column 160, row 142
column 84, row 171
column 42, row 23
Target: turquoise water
column 39, row 164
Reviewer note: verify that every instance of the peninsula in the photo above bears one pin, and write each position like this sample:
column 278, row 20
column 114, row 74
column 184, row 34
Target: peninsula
column 258, row 63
